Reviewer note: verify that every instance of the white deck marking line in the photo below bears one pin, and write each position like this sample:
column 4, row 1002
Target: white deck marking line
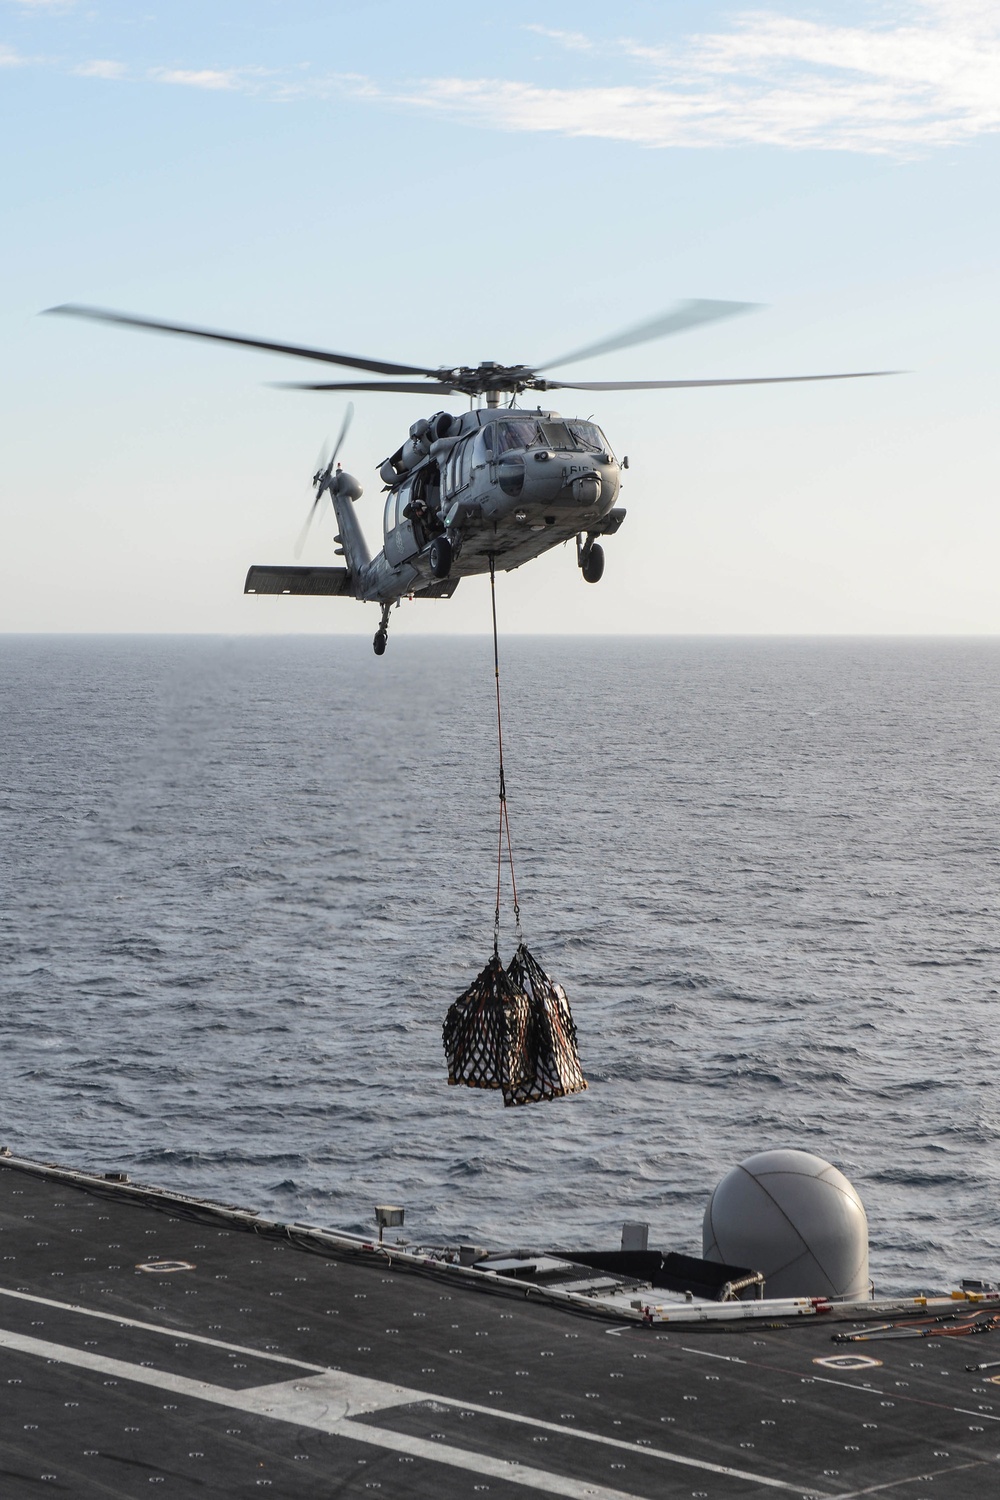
column 329, row 1401
column 982, row 1415
column 890, row 1484
column 177, row 1333
column 729, row 1358
column 878, row 1390
column 612, row 1442
column 851, row 1385
column 326, row 1411
column 823, row 1379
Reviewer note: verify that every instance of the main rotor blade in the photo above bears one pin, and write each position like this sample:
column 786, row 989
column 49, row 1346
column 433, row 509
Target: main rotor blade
column 437, row 389
column 685, row 315
column 102, row 315
column 680, row 385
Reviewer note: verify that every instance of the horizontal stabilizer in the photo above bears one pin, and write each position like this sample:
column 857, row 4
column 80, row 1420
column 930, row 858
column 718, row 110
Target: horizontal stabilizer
column 264, row 580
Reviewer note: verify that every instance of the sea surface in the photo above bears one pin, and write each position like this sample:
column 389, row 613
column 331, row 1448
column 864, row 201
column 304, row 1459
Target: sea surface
column 243, row 879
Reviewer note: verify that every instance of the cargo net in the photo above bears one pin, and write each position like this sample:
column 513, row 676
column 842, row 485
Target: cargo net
column 513, row 1030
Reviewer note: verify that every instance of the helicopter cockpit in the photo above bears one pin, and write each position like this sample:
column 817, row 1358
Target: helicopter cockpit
column 549, row 432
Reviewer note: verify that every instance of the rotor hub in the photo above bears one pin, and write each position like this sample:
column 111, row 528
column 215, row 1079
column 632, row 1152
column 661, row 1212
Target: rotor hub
column 477, row 380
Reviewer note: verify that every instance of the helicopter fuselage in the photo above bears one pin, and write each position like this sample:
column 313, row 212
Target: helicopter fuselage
column 509, row 484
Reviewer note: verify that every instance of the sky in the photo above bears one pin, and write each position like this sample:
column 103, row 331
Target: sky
column 445, row 183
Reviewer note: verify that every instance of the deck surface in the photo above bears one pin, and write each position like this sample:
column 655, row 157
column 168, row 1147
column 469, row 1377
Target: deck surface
column 256, row 1365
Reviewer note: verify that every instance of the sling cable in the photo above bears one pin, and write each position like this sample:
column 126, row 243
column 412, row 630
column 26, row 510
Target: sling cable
column 512, row 1029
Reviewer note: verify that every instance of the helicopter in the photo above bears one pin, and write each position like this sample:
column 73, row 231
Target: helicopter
column 491, row 487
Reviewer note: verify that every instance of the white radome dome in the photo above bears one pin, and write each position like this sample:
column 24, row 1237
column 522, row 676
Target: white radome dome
column 795, row 1218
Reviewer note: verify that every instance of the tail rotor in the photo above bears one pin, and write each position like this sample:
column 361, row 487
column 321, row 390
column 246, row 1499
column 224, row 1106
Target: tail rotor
column 324, row 479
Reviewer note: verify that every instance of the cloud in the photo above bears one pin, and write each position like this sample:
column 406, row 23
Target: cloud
column 100, row 67
column 201, row 78
column 243, row 80
column 929, row 78
column 575, row 41
column 919, row 75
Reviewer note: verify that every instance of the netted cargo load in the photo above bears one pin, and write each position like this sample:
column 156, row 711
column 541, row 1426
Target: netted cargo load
column 486, row 1033
column 512, row 1030
column 556, row 1066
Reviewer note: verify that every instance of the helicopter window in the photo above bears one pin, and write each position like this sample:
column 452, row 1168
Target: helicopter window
column 556, row 435
column 390, row 513
column 401, row 500
column 465, row 459
column 588, row 436
column 488, row 438
column 459, row 470
column 516, row 434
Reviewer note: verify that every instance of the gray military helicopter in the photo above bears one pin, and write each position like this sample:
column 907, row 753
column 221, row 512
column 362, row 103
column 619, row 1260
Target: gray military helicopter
column 490, row 488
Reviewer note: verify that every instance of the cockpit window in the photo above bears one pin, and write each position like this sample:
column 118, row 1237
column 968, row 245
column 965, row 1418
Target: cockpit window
column 573, row 435
column 588, row 436
column 516, row 434
column 553, row 433
column 556, row 435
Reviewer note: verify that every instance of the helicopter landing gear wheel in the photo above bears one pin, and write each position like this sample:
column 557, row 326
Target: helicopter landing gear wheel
column 592, row 563
column 382, row 633
column 440, row 557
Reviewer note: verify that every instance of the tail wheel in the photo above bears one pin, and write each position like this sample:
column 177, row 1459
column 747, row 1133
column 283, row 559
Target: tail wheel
column 592, row 566
column 440, row 557
column 379, row 643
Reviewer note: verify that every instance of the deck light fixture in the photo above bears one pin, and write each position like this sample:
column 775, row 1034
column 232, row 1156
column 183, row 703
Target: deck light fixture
column 387, row 1217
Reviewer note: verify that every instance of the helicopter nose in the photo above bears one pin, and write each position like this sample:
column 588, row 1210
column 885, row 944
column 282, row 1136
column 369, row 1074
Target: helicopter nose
column 587, row 489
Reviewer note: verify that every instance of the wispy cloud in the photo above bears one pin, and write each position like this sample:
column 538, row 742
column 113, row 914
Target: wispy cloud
column 199, row 78
column 929, row 77
column 100, row 67
column 922, row 75
column 225, row 80
column 575, row 41
column 249, row 79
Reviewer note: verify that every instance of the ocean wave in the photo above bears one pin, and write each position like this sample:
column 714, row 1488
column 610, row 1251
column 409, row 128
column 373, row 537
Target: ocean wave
column 230, row 938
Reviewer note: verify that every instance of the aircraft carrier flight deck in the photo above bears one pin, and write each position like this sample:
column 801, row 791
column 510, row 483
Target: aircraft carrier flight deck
column 150, row 1339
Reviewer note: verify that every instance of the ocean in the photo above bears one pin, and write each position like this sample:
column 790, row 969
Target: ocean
column 244, row 878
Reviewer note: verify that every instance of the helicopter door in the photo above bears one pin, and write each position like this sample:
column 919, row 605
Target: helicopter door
column 400, row 541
